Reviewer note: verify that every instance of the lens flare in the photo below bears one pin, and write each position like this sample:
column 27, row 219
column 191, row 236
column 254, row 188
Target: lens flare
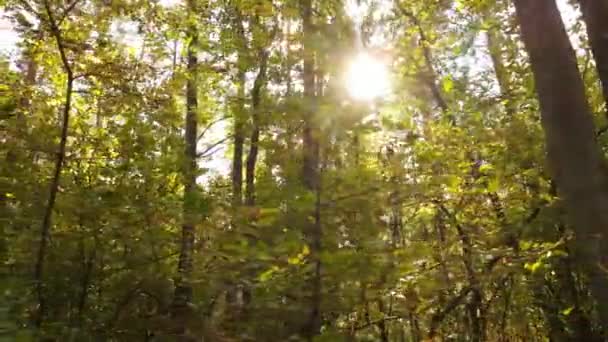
column 367, row 78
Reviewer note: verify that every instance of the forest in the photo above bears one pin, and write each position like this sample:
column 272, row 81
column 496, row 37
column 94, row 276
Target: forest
column 304, row 170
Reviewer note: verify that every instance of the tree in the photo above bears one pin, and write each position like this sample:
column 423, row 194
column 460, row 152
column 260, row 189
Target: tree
column 310, row 169
column 574, row 157
column 45, row 230
column 183, row 288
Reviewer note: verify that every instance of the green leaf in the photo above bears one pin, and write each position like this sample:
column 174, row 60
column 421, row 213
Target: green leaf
column 448, row 84
column 567, row 311
column 533, row 267
column 493, row 185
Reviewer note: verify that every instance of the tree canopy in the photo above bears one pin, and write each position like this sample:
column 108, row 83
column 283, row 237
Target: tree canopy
column 304, row 170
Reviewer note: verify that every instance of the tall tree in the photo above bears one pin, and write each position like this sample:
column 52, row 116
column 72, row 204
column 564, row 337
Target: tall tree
column 573, row 154
column 310, row 168
column 256, row 100
column 183, row 283
column 45, row 229
column 239, row 110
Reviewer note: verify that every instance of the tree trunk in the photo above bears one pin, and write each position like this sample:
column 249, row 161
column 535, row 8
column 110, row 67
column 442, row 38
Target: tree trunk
column 595, row 15
column 311, row 146
column 239, row 114
column 88, row 263
column 573, row 155
column 45, row 229
column 494, row 41
column 382, row 327
column 252, row 157
column 310, row 172
column 429, row 77
column 239, row 140
column 183, row 283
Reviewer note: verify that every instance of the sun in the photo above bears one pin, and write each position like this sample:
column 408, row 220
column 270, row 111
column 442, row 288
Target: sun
column 367, row 78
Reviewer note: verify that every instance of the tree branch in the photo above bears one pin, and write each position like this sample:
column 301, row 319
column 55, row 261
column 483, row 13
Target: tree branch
column 431, row 78
column 204, row 153
column 450, row 306
column 208, row 127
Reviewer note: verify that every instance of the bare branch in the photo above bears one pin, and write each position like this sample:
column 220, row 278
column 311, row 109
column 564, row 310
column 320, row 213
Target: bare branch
column 205, row 152
column 208, row 127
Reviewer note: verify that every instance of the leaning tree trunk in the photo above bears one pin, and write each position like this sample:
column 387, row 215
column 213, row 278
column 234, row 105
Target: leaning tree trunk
column 595, row 15
column 573, row 155
column 183, row 283
column 45, row 229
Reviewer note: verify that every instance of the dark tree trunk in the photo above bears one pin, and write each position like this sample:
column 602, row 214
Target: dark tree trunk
column 574, row 157
column 45, row 229
column 310, row 172
column 252, row 157
column 384, row 331
column 183, row 282
column 239, row 114
column 414, row 327
column 311, row 146
column 86, row 280
column 595, row 15
column 239, row 140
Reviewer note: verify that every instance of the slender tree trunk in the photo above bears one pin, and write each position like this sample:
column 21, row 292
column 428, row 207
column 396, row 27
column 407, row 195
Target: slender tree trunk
column 429, row 76
column 595, row 15
column 494, row 48
column 239, row 140
column 310, row 172
column 440, row 255
column 30, row 80
column 475, row 305
column 232, row 293
column 414, row 327
column 384, row 331
column 239, row 114
column 311, row 146
column 252, row 157
column 573, row 155
column 494, row 41
column 87, row 276
column 183, row 282
column 45, row 229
